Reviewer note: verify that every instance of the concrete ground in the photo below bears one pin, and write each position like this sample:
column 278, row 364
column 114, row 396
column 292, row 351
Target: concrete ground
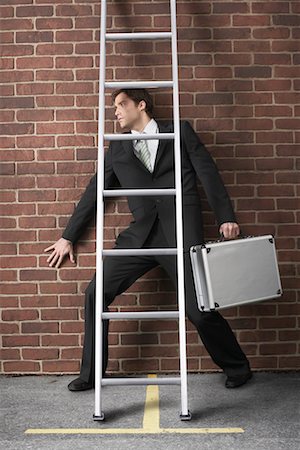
column 263, row 414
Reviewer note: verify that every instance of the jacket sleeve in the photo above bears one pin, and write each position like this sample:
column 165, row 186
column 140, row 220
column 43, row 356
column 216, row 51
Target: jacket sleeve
column 208, row 174
column 86, row 208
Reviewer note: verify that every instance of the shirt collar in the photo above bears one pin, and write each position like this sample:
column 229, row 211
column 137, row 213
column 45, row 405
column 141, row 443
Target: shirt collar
column 150, row 128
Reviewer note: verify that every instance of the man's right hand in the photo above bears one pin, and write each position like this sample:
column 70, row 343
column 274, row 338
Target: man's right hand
column 60, row 249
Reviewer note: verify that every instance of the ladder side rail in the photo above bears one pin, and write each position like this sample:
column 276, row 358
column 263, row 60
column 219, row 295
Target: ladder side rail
column 100, row 219
column 179, row 216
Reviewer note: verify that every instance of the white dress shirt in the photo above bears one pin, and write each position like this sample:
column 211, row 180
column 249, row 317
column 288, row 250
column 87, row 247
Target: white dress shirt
column 150, row 128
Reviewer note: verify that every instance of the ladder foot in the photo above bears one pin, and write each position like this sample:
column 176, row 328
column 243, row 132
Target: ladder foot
column 98, row 418
column 186, row 417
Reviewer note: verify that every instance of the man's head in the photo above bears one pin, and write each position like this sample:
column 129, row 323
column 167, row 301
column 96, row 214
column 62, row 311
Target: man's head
column 133, row 108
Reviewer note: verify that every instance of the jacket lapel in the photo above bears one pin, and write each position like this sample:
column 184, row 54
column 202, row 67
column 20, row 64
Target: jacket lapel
column 163, row 128
column 128, row 147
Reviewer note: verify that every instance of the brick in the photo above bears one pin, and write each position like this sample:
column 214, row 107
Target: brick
column 54, row 155
column 39, row 327
column 264, row 362
column 34, row 11
column 18, row 102
column 257, row 336
column 73, row 10
column 20, row 341
column 39, row 301
column 13, row 50
column 17, row 155
column 7, row 169
column 72, row 327
column 21, row 366
column 71, row 353
column 7, row 38
column 6, row 90
column 54, row 288
column 35, row 142
column 54, row 49
column 6, row 222
column 8, row 328
column 34, row 36
column 16, row 24
column 289, row 335
column 37, row 222
column 60, row 340
column 27, row 275
column 139, row 339
column 12, row 236
column 58, row 314
column 289, row 362
column 17, row 261
column 9, row 354
column 40, row 353
column 71, row 300
column 278, row 349
column 275, row 164
column 54, row 75
column 36, row 88
column 16, row 129
column 74, row 36
column 36, row 116
column 9, row 302
column 136, row 365
column 53, row 23
column 61, row 366
column 9, row 275
column 19, row 315
column 282, row 322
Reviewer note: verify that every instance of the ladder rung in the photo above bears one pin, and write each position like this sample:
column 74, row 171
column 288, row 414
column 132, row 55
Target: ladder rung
column 138, row 84
column 140, row 252
column 132, row 192
column 129, row 36
column 141, row 315
column 134, row 137
column 139, row 381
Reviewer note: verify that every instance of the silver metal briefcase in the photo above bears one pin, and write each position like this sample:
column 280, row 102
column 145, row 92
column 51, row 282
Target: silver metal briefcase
column 235, row 272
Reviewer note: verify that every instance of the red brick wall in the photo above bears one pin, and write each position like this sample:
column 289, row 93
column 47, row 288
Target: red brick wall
column 238, row 81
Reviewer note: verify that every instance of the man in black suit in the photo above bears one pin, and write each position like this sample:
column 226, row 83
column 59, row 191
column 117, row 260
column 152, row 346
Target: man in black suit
column 150, row 164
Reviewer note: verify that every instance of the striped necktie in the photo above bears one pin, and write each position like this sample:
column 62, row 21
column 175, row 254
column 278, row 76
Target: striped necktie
column 143, row 153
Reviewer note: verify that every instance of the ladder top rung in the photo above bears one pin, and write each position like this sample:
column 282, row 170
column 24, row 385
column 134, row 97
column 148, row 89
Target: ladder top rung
column 134, row 137
column 139, row 381
column 141, row 315
column 132, row 192
column 138, row 84
column 140, row 251
column 144, row 35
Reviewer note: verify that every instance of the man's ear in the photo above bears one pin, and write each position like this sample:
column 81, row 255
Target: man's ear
column 142, row 105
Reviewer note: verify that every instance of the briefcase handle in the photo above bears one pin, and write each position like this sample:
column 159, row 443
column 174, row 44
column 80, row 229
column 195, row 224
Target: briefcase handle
column 241, row 235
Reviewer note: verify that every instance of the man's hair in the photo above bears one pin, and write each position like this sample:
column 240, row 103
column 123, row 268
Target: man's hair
column 137, row 95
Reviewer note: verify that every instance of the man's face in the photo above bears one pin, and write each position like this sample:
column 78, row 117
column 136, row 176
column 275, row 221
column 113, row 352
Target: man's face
column 127, row 112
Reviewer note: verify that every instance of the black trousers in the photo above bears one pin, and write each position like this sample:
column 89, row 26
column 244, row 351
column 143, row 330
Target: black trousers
column 120, row 272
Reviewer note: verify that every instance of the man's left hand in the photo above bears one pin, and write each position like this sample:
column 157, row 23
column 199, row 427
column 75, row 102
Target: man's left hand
column 230, row 230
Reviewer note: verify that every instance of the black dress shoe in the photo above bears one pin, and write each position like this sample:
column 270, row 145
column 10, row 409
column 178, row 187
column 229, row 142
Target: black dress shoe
column 238, row 380
column 79, row 385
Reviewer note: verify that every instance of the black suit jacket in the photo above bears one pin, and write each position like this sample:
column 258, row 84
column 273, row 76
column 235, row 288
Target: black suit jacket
column 123, row 168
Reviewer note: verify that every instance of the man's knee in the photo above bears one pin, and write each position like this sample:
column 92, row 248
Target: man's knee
column 204, row 320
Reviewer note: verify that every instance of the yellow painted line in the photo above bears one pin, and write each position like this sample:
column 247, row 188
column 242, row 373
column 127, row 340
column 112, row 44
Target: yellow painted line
column 151, row 412
column 150, row 422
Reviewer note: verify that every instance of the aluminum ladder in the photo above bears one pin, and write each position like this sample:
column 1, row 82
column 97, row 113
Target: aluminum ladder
column 102, row 194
